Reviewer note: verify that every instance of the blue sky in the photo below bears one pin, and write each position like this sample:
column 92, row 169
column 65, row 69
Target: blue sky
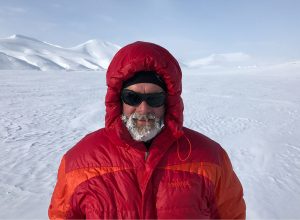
column 191, row 29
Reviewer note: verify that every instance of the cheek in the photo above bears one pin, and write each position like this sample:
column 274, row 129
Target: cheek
column 159, row 112
column 128, row 110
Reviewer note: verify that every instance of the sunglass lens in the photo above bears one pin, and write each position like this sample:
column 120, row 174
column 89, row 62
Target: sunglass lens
column 131, row 98
column 156, row 100
column 153, row 99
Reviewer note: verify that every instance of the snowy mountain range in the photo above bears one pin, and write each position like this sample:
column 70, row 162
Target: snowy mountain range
column 20, row 52
column 217, row 60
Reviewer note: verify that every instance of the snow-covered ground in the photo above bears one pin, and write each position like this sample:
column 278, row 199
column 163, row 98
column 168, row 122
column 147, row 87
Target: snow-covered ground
column 253, row 113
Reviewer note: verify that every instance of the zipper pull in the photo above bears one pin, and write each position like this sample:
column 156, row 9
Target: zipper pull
column 146, row 155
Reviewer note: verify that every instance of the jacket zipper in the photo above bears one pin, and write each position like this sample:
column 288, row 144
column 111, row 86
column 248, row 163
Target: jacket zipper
column 142, row 209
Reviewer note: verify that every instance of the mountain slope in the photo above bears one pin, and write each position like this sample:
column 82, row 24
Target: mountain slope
column 9, row 62
column 22, row 52
column 220, row 60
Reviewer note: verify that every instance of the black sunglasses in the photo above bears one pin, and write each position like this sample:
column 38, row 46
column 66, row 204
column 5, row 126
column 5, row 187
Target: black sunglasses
column 134, row 98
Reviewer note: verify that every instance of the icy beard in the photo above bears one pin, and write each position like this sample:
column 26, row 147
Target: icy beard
column 146, row 132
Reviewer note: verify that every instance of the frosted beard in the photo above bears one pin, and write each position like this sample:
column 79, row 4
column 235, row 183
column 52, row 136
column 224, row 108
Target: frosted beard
column 145, row 132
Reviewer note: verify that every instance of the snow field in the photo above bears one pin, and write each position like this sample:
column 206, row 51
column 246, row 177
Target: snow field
column 253, row 114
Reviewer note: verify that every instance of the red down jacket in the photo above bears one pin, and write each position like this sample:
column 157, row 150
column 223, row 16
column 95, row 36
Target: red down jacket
column 109, row 175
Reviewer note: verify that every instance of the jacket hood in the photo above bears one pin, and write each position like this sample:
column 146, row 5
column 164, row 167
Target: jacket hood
column 144, row 56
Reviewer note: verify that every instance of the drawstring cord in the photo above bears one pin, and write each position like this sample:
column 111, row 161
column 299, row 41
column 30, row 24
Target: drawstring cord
column 190, row 150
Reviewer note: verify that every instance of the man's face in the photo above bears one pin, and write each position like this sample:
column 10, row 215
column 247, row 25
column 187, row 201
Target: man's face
column 139, row 119
column 144, row 108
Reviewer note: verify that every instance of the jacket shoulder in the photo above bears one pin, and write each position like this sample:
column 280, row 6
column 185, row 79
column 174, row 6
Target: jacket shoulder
column 83, row 154
column 204, row 149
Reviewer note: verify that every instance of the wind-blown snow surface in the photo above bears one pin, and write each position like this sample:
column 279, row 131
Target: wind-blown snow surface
column 253, row 114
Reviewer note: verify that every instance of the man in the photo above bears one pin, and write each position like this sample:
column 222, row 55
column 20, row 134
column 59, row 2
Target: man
column 144, row 163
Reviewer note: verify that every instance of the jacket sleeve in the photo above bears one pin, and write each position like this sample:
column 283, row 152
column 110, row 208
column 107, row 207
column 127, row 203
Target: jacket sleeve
column 58, row 206
column 229, row 193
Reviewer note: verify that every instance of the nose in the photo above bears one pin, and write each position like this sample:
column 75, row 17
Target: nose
column 143, row 108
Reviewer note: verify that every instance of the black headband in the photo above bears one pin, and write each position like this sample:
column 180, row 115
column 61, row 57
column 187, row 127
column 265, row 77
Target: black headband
column 145, row 77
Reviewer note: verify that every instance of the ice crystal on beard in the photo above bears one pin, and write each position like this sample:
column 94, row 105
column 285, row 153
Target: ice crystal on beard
column 142, row 133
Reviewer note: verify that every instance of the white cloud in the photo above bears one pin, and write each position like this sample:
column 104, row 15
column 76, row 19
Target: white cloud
column 12, row 10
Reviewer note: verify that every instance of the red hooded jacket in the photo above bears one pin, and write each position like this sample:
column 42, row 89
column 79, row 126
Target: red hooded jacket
column 108, row 175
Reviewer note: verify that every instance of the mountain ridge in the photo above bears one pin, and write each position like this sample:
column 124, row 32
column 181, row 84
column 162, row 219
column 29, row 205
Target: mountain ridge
column 22, row 52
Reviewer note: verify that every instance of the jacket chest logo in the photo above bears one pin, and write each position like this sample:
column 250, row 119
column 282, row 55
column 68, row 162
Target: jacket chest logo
column 179, row 184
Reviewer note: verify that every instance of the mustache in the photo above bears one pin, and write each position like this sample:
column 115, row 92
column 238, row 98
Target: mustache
column 145, row 117
column 146, row 132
